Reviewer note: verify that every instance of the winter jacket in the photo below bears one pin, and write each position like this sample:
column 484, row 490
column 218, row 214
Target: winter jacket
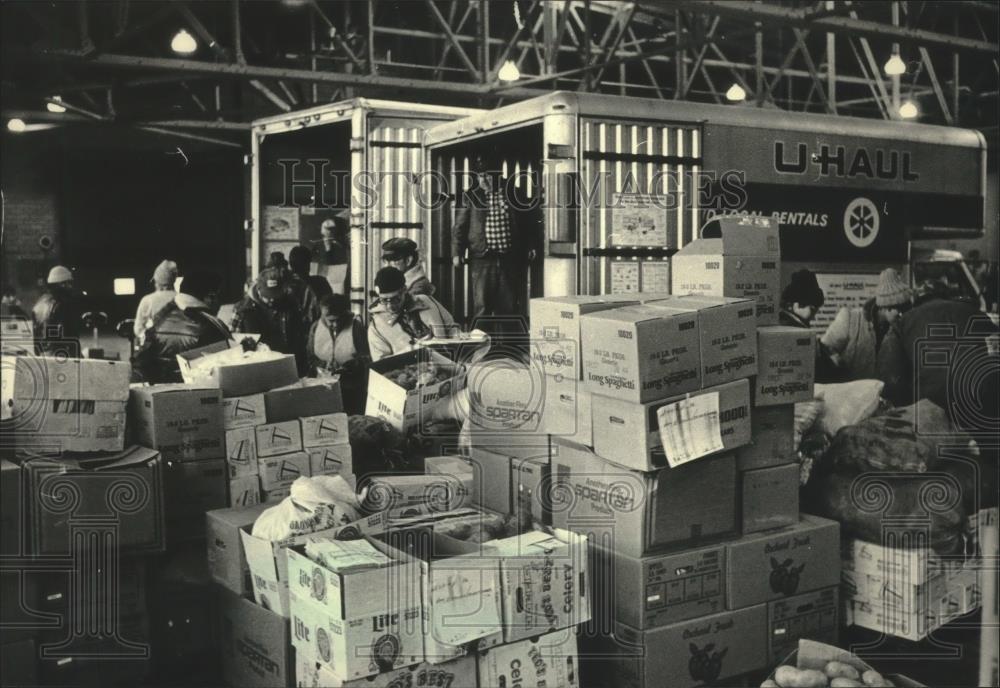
column 417, row 282
column 56, row 318
column 853, row 338
column 390, row 334
column 149, row 306
column 281, row 324
column 469, row 231
column 180, row 326
column 344, row 352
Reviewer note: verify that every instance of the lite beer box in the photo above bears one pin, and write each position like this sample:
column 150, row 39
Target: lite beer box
column 629, row 434
column 457, row 673
column 640, row 353
column 182, row 422
column 305, row 398
column 786, row 365
column 243, row 412
column 404, row 407
column 638, row 512
column 548, row 660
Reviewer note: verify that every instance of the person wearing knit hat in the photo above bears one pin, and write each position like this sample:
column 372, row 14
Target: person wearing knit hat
column 400, row 319
column 272, row 310
column 404, row 255
column 801, row 300
column 56, row 315
column 163, row 280
column 854, row 337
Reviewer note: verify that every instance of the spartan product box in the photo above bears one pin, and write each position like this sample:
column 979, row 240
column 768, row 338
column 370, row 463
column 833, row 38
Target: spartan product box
column 786, row 365
column 660, row 589
column 770, row 498
column 629, row 434
column 361, row 622
column 491, row 488
column 691, row 653
column 530, row 488
column 325, row 430
column 190, row 489
column 640, row 353
column 458, row 673
column 635, row 512
column 782, row 563
column 728, row 331
column 744, row 261
column 244, row 491
column 305, row 398
column 336, row 459
column 274, row 439
column 279, row 472
column 241, row 452
column 404, row 408
column 812, row 615
column 227, row 563
column 546, row 585
column 237, row 373
column 773, row 440
column 243, row 412
column 567, row 411
column 256, row 649
column 11, row 508
column 127, row 485
column 555, row 330
column 548, row 660
column 182, row 422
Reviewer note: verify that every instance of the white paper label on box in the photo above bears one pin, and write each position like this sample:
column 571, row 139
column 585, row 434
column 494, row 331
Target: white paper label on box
column 689, row 428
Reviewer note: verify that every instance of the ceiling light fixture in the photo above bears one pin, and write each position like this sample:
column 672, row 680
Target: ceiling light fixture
column 908, row 110
column 16, row 125
column 509, row 72
column 54, row 104
column 894, row 66
column 183, row 43
column 736, row 94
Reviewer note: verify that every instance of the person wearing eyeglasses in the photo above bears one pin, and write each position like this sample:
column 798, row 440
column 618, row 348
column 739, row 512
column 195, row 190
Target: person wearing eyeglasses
column 400, row 319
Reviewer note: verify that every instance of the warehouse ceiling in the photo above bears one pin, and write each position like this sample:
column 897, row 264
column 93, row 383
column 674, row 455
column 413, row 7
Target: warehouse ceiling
column 111, row 64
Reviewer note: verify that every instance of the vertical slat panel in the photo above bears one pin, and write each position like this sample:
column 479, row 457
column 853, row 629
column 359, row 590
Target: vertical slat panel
column 681, row 199
column 695, row 201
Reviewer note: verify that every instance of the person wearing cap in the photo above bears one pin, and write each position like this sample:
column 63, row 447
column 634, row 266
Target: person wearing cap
column 399, row 320
column 56, row 315
column 187, row 322
column 272, row 310
column 499, row 235
column 163, row 293
column 855, row 335
column 307, row 297
column 801, row 300
column 338, row 344
column 404, row 255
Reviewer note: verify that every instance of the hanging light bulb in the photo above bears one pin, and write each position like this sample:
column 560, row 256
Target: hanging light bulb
column 894, row 66
column 908, row 110
column 54, row 104
column 509, row 72
column 183, row 43
column 16, row 125
column 736, row 93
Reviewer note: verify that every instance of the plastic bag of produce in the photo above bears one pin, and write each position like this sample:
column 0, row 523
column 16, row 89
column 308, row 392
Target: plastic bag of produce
column 847, row 403
column 806, row 413
column 317, row 503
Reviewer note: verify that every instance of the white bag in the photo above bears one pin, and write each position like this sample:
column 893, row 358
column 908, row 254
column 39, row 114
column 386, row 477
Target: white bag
column 847, row 403
column 317, row 503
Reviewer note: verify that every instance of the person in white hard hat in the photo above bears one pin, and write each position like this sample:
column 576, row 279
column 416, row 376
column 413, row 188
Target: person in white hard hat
column 163, row 280
column 56, row 315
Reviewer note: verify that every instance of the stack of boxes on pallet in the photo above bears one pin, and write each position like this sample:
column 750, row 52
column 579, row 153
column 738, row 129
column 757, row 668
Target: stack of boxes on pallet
column 686, row 484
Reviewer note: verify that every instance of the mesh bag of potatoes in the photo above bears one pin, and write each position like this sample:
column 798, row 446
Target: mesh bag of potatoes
column 818, row 665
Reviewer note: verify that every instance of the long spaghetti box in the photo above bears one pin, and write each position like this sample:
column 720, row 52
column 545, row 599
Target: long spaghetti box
column 728, row 331
column 274, row 439
column 742, row 261
column 773, row 441
column 322, row 431
column 361, row 621
column 278, row 472
column 640, row 353
column 336, row 459
column 405, row 407
column 256, row 648
column 629, row 434
column 227, row 562
column 243, row 412
column 241, row 452
column 782, row 563
column 567, row 411
column 812, row 615
column 697, row 652
column 548, row 660
column 770, row 498
column 457, row 673
column 303, row 399
column 638, row 512
column 661, row 589
column 555, row 329
column 786, row 365
column 244, row 491
column 182, row 422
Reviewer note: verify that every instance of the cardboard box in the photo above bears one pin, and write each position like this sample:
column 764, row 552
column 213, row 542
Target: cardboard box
column 237, row 373
column 549, row 660
column 786, row 365
column 241, row 452
column 128, row 484
column 897, row 566
column 908, row 625
column 629, row 434
column 243, row 412
column 275, row 495
column 691, row 653
column 813, row 615
column 28, row 379
column 357, row 623
column 506, row 400
column 461, row 475
column 773, row 439
column 744, row 262
column 274, row 439
column 531, row 487
column 567, row 411
column 244, row 491
column 411, row 495
column 227, row 562
column 256, row 644
column 636, row 512
column 491, row 488
column 555, row 330
column 278, row 472
column 640, row 353
column 404, row 408
column 458, row 673
column 660, row 589
column 190, row 489
column 333, row 460
column 182, row 422
column 813, row 655
column 305, row 398
column 728, row 333
column 770, row 498
column 12, row 517
column 324, row 431
column 71, row 425
column 782, row 563
column 896, row 594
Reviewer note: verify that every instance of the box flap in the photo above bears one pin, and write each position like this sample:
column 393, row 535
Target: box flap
column 634, row 314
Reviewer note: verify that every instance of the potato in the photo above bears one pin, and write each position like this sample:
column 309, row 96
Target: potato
column 844, row 682
column 873, row 679
column 840, row 669
column 790, row 677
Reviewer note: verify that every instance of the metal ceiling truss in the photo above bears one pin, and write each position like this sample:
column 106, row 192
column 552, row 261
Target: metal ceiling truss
column 823, row 56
